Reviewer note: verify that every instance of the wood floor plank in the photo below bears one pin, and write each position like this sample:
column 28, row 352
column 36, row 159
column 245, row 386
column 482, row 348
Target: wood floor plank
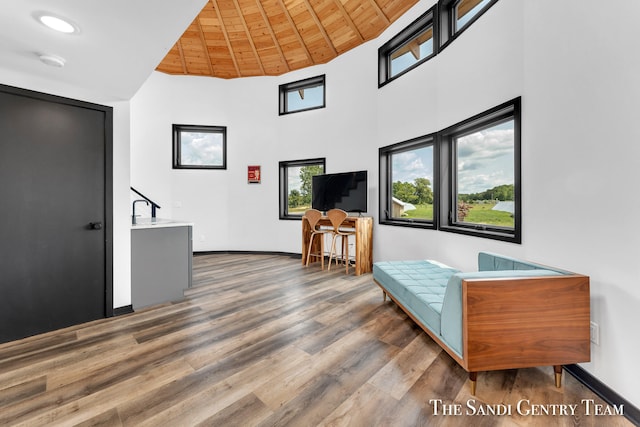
column 103, row 356
column 109, row 418
column 227, row 344
column 36, row 343
column 247, row 411
column 217, row 395
column 199, row 381
column 18, row 371
column 368, row 406
column 85, row 408
column 261, row 340
column 402, row 372
column 326, row 391
column 26, row 390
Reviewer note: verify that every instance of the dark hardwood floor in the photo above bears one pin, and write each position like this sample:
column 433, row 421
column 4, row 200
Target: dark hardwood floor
column 261, row 340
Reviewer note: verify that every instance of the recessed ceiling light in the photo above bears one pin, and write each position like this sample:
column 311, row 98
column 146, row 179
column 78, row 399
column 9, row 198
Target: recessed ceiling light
column 57, row 23
column 52, row 60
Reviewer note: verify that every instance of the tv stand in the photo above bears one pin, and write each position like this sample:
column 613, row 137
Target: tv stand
column 364, row 242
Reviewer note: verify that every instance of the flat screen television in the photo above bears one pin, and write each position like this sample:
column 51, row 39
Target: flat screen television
column 346, row 191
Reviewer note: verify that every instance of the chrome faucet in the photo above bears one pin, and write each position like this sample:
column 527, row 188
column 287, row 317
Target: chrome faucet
column 133, row 216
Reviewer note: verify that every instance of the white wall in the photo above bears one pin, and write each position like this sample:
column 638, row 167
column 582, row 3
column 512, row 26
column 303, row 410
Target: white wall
column 573, row 64
column 121, row 220
column 228, row 213
column 582, row 98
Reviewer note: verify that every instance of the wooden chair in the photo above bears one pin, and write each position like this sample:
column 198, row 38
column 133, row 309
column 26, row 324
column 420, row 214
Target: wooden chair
column 312, row 216
column 337, row 217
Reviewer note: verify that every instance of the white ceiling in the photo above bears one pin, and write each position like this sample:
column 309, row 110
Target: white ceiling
column 120, row 44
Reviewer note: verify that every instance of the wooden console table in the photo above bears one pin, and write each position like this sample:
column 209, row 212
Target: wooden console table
column 364, row 234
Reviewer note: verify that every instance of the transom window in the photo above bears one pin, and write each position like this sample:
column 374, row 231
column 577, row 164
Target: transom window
column 303, row 95
column 411, row 47
column 199, row 147
column 406, row 56
column 427, row 36
column 295, row 186
column 465, row 10
column 457, row 15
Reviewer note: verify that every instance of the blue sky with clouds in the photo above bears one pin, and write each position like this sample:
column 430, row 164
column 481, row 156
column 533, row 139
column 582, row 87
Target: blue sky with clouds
column 409, row 165
column 293, row 178
column 200, row 148
column 485, row 160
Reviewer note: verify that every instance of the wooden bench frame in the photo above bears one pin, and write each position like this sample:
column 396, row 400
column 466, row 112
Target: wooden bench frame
column 520, row 322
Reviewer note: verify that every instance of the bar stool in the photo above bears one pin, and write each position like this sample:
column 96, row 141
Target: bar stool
column 312, row 216
column 337, row 217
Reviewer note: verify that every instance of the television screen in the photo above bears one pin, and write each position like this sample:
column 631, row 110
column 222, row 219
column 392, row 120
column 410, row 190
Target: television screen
column 346, row 191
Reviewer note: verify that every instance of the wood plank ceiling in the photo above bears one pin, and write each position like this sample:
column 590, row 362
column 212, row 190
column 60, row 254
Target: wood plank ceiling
column 242, row 38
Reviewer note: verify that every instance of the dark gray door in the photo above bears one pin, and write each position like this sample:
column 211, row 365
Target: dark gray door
column 52, row 215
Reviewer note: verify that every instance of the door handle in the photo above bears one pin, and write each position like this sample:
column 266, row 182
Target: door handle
column 95, row 226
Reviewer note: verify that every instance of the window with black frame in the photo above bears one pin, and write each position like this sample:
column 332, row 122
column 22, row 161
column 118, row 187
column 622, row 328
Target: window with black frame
column 411, row 47
column 455, row 16
column 302, row 95
column 480, row 180
column 295, row 185
column 199, row 147
column 407, row 174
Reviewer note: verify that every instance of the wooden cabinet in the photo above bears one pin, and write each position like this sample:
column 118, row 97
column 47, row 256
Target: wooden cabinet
column 363, row 226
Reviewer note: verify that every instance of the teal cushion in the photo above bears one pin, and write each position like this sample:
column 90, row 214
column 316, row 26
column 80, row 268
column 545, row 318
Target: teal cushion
column 418, row 285
column 488, row 261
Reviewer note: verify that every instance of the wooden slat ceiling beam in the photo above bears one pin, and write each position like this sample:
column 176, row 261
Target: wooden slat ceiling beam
column 290, row 46
column 321, row 28
column 248, row 35
column 182, row 56
column 274, row 39
column 241, row 38
column 223, row 30
column 379, row 12
column 204, row 46
column 347, row 18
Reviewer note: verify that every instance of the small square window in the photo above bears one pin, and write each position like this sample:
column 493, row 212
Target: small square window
column 199, row 147
column 302, row 95
column 295, row 186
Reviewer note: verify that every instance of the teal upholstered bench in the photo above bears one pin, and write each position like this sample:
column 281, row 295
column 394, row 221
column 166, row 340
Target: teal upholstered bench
column 509, row 314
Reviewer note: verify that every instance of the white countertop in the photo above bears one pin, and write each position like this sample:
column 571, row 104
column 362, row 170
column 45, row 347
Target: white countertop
column 158, row 222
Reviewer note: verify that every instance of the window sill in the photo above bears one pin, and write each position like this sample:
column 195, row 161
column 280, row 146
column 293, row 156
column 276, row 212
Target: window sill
column 503, row 236
column 408, row 223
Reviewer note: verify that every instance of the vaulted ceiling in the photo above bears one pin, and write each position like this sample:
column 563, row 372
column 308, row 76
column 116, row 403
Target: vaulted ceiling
column 241, row 38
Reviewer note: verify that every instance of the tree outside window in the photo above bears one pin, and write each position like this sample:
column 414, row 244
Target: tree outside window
column 411, row 189
column 295, row 186
column 407, row 183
